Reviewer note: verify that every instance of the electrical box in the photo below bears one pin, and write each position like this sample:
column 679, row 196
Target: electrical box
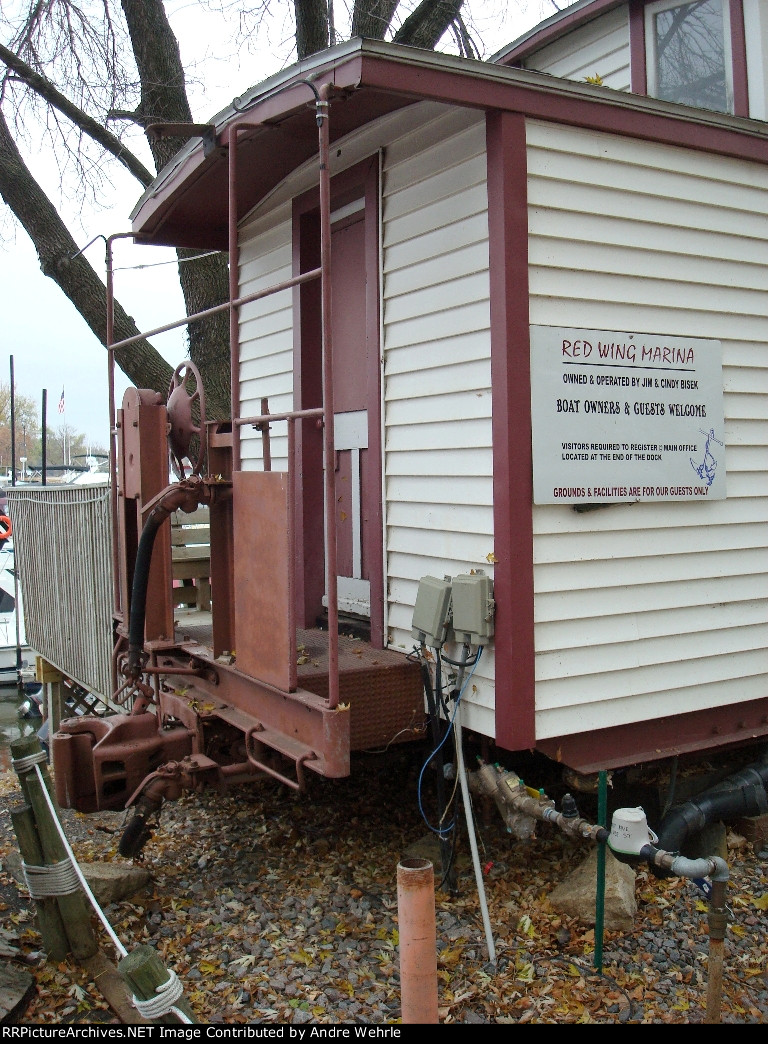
column 473, row 607
column 432, row 612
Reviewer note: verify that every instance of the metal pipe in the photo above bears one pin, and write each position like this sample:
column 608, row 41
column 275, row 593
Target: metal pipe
column 234, row 283
column 109, row 336
column 286, row 284
column 717, row 921
column 418, row 941
column 716, row 869
column 322, row 105
column 16, row 613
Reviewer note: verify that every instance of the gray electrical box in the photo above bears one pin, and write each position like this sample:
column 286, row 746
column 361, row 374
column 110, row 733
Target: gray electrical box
column 432, row 612
column 473, row 607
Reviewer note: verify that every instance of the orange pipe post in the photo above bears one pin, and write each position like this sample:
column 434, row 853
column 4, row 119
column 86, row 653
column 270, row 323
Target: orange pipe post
column 418, row 941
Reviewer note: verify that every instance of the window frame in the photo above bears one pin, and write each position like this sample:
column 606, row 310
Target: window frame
column 657, row 7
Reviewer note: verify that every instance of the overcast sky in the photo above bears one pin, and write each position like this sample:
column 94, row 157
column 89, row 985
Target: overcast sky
column 52, row 348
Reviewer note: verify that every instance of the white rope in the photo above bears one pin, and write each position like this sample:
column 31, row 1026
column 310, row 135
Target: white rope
column 26, row 763
column 163, row 1002
column 56, row 879
column 33, row 761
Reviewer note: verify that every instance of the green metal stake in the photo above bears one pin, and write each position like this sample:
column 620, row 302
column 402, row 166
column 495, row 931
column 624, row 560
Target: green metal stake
column 602, row 815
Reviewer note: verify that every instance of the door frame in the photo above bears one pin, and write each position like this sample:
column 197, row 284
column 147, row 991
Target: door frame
column 360, row 181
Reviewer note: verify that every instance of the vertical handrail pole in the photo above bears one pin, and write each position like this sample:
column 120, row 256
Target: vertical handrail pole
column 110, row 340
column 234, row 312
column 328, row 429
column 292, row 642
column 110, row 336
column 266, row 450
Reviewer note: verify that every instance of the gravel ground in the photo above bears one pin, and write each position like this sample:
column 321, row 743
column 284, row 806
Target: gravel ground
column 274, row 907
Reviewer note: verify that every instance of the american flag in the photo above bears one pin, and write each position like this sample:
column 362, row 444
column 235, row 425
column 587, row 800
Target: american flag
column 61, row 402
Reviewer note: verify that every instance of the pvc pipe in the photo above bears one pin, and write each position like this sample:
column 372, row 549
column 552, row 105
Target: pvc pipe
column 472, row 839
column 418, row 941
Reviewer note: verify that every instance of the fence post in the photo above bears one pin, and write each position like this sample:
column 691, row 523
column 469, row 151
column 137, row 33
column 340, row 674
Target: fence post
column 74, row 907
column 48, row 916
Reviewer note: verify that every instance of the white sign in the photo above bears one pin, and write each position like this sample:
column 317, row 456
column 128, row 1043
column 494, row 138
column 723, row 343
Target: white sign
column 625, row 417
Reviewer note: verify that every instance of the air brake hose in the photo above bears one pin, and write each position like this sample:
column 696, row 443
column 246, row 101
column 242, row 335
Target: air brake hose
column 138, row 613
column 186, row 495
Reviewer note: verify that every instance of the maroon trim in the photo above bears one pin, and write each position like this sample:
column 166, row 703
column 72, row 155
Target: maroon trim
column 554, row 29
column 373, row 511
column 363, row 179
column 638, row 68
column 190, row 210
column 511, row 425
column 739, row 58
column 643, row 741
column 570, row 20
column 551, row 103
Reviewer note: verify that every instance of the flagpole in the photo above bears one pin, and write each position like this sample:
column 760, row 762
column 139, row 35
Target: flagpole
column 63, row 412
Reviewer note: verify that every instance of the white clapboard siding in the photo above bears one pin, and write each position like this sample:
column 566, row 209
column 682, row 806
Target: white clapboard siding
column 266, row 333
column 437, row 401
column 600, row 48
column 643, row 607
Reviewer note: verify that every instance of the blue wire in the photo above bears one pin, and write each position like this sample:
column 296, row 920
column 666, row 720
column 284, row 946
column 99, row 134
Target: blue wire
column 446, row 830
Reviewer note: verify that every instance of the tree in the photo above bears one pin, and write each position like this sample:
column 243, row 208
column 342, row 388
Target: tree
column 27, row 425
column 75, row 69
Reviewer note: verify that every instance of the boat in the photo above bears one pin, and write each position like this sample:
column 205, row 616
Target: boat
column 16, row 657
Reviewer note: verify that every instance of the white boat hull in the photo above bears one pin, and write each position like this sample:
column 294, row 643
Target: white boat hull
column 12, row 633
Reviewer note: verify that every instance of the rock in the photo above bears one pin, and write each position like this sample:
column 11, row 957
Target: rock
column 576, row 895
column 17, row 988
column 109, row 882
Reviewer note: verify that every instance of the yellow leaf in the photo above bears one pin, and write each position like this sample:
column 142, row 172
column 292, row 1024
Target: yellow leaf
column 525, row 972
column 525, row 926
column 762, row 902
column 451, row 955
column 209, row 968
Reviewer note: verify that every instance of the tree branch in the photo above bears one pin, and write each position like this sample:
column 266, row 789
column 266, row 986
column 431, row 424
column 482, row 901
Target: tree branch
column 426, row 25
column 56, row 248
column 45, row 89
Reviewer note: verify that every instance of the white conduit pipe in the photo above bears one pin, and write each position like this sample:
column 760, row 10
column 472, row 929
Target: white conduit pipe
column 461, row 768
column 473, row 840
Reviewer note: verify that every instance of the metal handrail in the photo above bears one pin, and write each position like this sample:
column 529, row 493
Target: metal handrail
column 323, row 272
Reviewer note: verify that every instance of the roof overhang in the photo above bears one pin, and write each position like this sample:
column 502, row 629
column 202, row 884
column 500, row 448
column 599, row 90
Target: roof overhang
column 274, row 126
column 554, row 27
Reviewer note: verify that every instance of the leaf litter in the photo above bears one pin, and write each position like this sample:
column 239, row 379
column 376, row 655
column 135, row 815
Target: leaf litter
column 275, row 907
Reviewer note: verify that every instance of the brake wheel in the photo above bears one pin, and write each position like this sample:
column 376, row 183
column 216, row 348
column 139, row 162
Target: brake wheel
column 186, row 439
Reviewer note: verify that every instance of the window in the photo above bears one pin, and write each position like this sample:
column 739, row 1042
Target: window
column 689, row 53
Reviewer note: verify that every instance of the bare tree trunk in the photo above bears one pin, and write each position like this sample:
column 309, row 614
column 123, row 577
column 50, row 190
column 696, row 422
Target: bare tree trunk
column 425, row 26
column 56, row 249
column 204, row 283
column 372, row 18
column 311, row 26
